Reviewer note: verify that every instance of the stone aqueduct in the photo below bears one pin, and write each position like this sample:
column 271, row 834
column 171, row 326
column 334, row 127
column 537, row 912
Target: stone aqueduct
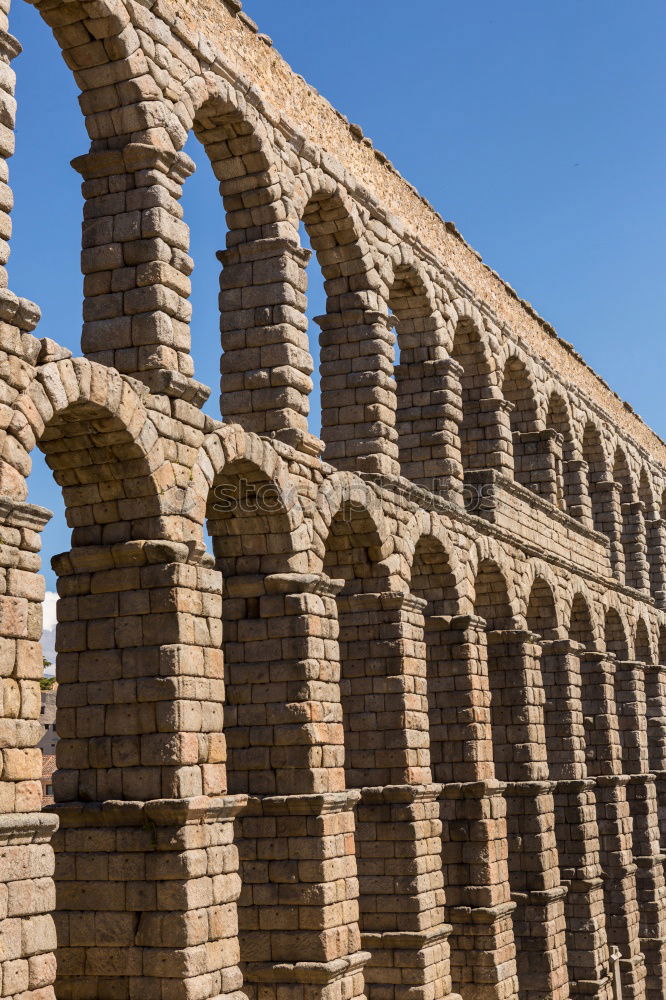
column 404, row 733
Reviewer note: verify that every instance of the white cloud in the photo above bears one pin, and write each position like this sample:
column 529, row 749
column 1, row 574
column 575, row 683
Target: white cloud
column 48, row 634
column 49, row 610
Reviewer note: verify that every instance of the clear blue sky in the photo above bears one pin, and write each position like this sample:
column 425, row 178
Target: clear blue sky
column 537, row 127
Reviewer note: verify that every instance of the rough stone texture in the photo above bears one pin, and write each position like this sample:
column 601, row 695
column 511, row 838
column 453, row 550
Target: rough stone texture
column 403, row 734
column 47, row 718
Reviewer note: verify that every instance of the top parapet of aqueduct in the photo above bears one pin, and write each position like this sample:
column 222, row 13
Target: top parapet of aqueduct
column 248, row 55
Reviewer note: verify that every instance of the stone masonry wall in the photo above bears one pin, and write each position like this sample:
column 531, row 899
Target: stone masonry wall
column 402, row 733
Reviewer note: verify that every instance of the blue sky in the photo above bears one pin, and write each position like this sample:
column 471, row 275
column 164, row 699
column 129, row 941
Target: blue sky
column 538, row 128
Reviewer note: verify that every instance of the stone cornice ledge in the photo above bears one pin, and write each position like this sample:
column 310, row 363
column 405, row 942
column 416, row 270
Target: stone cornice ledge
column 19, row 514
column 157, row 812
column 27, row 828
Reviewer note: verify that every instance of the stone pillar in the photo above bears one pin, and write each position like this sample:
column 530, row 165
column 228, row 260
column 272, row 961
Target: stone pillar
column 517, row 700
column 576, row 490
column 27, row 896
column 541, row 464
column 642, row 797
column 657, row 544
column 604, row 759
column 146, row 871
column 358, row 391
column 398, row 836
column 266, row 362
column 135, row 262
column 634, row 543
column 655, row 692
column 282, row 711
column 428, row 422
column 461, row 745
column 493, row 445
column 610, row 522
column 401, row 886
column 473, row 810
column 576, row 828
column 383, row 689
column 147, row 895
column 298, row 911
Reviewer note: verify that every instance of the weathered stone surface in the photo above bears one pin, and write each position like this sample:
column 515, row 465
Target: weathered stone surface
column 403, row 734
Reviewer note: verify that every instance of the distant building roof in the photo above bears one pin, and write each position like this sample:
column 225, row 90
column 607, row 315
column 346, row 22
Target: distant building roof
column 48, row 770
column 47, row 744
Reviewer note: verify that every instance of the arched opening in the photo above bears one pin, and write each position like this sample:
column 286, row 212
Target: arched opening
column 491, row 598
column 103, row 472
column 580, row 623
column 615, row 637
column 541, row 618
column 596, row 474
column 339, row 306
column 250, row 529
column 560, row 444
column 630, row 526
column 642, row 645
column 55, row 538
column 266, row 364
column 651, row 516
column 617, row 642
column 470, row 353
column 516, row 709
column 541, row 615
column 410, row 314
column 105, row 489
column 517, row 390
column 353, row 556
column 560, row 671
column 433, row 582
column 353, row 550
column 432, row 578
column 491, row 602
column 204, row 211
column 630, row 697
column 592, row 680
column 315, row 297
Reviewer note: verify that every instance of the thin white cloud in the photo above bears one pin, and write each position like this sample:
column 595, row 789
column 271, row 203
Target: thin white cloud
column 49, row 610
